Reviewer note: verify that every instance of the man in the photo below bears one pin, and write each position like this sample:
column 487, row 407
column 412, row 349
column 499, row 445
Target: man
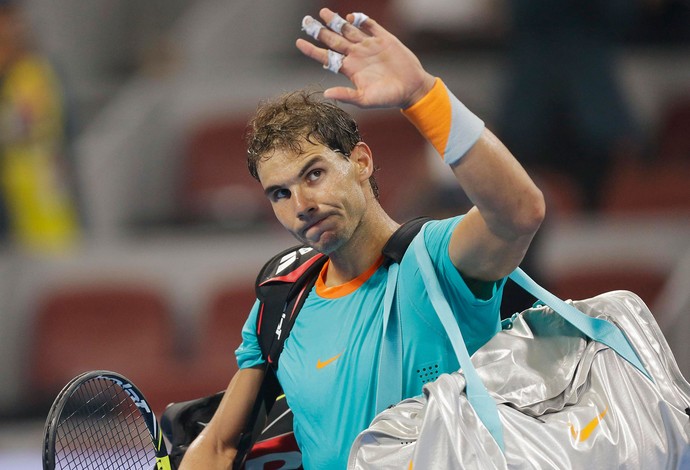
column 316, row 173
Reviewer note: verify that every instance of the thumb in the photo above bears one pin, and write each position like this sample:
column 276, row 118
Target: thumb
column 344, row 94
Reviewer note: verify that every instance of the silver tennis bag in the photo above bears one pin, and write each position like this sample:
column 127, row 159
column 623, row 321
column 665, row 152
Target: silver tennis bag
column 592, row 384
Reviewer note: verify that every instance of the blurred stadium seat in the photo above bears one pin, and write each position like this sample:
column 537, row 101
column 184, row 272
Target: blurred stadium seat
column 674, row 132
column 659, row 185
column 400, row 154
column 639, row 188
column 219, row 335
column 215, row 186
column 583, row 284
column 126, row 328
column 561, row 192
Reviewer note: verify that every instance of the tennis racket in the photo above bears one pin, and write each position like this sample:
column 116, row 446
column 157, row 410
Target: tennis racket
column 100, row 420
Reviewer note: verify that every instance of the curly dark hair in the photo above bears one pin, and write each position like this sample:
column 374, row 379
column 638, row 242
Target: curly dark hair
column 289, row 119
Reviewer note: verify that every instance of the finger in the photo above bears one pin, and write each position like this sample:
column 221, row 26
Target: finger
column 310, row 50
column 372, row 28
column 330, row 60
column 335, row 61
column 350, row 29
column 343, row 94
column 351, row 32
column 357, row 18
column 311, row 26
column 336, row 23
column 366, row 25
column 342, row 26
column 332, row 40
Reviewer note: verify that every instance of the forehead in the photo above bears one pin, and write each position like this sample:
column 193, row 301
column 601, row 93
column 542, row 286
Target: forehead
column 286, row 163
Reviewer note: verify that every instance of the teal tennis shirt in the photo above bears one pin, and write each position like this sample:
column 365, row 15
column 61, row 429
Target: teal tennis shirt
column 329, row 365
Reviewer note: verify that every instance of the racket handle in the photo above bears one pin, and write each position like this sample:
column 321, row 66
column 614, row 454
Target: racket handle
column 163, row 463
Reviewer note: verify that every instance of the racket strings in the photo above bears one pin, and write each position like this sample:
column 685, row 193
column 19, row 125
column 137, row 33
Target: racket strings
column 102, row 428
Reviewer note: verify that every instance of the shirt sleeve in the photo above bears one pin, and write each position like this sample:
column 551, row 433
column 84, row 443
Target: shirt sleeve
column 249, row 352
column 478, row 317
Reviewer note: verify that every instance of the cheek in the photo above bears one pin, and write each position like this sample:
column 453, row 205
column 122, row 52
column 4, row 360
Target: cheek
column 280, row 211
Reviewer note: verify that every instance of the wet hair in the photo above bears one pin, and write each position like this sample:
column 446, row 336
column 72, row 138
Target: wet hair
column 290, row 119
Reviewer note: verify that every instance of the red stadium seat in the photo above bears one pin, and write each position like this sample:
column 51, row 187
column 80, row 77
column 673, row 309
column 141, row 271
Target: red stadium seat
column 400, row 154
column 220, row 334
column 126, row 328
column 661, row 187
column 215, row 185
column 583, row 284
column 674, row 135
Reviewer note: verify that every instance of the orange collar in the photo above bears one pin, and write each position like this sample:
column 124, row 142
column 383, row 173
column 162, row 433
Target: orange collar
column 347, row 288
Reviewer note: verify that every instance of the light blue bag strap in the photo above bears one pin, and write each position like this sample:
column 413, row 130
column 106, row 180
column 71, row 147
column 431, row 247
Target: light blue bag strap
column 389, row 387
column 477, row 395
column 598, row 329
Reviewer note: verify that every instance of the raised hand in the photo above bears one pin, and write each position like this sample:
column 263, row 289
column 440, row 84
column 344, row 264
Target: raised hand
column 384, row 72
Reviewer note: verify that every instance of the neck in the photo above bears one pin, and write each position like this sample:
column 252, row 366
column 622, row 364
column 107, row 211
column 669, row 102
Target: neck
column 363, row 249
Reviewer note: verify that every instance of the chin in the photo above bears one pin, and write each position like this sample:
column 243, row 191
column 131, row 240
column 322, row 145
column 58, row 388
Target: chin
column 326, row 244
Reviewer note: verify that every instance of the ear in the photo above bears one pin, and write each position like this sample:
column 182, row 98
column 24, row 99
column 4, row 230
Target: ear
column 362, row 159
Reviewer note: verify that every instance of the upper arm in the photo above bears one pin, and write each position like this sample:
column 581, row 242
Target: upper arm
column 216, row 446
column 479, row 254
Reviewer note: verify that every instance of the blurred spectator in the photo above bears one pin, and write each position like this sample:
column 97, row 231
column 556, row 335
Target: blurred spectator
column 563, row 109
column 37, row 211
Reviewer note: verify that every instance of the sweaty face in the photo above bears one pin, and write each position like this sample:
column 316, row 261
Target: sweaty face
column 318, row 195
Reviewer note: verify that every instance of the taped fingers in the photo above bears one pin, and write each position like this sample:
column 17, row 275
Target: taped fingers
column 311, row 26
column 335, row 61
column 339, row 37
column 331, row 39
column 343, row 27
column 336, row 24
column 359, row 18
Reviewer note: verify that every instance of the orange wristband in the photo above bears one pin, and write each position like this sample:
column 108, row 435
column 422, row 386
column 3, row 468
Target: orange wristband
column 445, row 122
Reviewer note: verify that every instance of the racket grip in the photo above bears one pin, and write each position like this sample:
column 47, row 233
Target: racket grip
column 163, row 463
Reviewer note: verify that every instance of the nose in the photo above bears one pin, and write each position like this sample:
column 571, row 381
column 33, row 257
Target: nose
column 304, row 202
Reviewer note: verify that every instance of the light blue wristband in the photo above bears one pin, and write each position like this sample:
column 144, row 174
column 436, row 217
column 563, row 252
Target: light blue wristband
column 465, row 130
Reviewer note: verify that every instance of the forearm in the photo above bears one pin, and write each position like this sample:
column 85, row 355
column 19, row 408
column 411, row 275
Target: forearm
column 494, row 181
column 209, row 453
column 216, row 446
column 510, row 203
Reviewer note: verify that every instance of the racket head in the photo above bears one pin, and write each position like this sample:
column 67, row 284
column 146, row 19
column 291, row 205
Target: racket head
column 101, row 420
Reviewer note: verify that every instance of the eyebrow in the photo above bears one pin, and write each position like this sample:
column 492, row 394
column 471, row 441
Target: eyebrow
column 303, row 170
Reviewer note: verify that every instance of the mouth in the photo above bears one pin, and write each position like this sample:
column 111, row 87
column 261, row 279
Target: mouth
column 313, row 225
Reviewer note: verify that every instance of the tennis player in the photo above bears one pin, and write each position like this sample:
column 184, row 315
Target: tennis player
column 315, row 170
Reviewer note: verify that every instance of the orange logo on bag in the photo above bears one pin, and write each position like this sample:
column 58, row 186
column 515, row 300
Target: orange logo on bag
column 583, row 434
column 321, row 364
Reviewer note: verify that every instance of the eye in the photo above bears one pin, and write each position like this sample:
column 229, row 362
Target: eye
column 279, row 194
column 313, row 175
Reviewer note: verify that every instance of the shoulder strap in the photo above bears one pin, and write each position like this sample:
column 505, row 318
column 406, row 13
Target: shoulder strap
column 476, row 392
column 285, row 280
column 598, row 329
column 397, row 245
column 282, row 287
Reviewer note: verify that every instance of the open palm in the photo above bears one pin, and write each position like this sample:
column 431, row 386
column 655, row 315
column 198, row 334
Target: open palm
column 384, row 72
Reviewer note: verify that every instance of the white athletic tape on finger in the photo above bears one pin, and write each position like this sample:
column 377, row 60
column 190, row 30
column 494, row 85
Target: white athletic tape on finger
column 337, row 23
column 311, row 26
column 335, row 61
column 359, row 19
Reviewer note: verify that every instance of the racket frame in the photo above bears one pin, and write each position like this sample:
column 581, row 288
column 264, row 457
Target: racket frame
column 53, row 419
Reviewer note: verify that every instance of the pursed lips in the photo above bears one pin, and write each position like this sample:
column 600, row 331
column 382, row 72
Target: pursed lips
column 313, row 224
